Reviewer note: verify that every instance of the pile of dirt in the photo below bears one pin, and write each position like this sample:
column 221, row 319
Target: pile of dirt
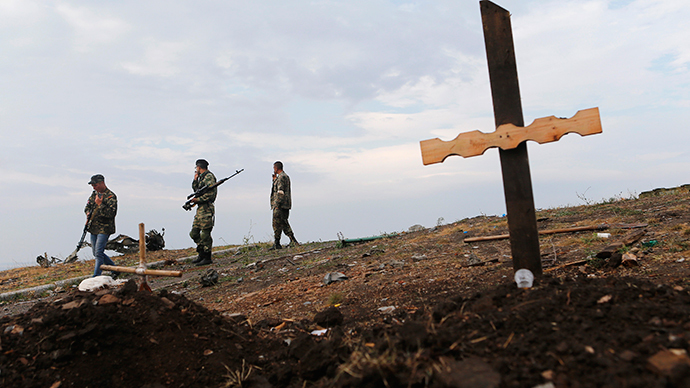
column 126, row 339
column 572, row 331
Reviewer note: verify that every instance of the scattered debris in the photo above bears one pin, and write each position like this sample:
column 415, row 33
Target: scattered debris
column 123, row 244
column 45, row 262
column 554, row 231
column 386, row 309
column 209, row 278
column 97, row 283
column 418, row 257
column 343, row 242
column 629, row 260
column 375, row 250
column 334, row 277
column 604, row 299
column 473, row 260
column 155, row 240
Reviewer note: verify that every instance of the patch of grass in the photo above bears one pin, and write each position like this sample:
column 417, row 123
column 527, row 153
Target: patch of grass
column 589, row 239
column 676, row 245
column 227, row 279
column 334, row 299
column 621, row 211
column 596, row 262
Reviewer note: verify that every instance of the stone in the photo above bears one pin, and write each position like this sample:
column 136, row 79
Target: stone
column 627, row 355
column 629, row 260
column 664, row 361
column 386, row 309
column 334, row 277
column 108, row 299
column 418, row 257
column 73, row 304
column 473, row 260
column 168, row 303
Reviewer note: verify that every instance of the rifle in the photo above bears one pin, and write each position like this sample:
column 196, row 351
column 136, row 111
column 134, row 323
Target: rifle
column 190, row 204
column 73, row 256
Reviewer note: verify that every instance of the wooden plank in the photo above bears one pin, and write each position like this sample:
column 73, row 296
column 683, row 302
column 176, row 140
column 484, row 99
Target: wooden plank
column 508, row 136
column 554, row 231
column 141, row 271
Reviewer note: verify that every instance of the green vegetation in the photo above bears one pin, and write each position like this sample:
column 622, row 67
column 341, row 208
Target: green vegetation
column 335, row 298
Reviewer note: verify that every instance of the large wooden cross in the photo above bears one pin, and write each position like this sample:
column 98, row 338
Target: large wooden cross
column 510, row 137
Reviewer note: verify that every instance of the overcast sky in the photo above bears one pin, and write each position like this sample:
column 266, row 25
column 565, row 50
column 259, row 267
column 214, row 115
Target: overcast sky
column 340, row 91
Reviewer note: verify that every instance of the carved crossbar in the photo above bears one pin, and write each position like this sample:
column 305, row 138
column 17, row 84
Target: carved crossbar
column 507, row 136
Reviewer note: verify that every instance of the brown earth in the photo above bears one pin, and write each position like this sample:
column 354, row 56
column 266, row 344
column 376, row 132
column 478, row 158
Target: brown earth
column 443, row 324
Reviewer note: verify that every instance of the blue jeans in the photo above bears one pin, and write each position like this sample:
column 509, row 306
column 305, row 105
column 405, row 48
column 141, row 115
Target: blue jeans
column 98, row 247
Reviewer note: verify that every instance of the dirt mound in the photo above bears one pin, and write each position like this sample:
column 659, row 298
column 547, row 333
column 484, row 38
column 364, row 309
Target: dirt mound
column 572, row 333
column 126, row 339
column 576, row 332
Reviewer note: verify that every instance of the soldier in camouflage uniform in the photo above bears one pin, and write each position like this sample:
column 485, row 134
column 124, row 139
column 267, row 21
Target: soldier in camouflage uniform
column 281, row 202
column 205, row 213
column 101, row 209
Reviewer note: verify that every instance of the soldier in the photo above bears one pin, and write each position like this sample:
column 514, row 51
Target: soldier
column 205, row 213
column 281, row 202
column 100, row 210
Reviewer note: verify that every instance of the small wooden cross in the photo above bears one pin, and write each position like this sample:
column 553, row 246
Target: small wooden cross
column 510, row 137
column 141, row 270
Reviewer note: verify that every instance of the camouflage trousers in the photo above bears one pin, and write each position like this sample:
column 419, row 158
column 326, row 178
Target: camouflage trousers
column 281, row 224
column 205, row 216
column 202, row 238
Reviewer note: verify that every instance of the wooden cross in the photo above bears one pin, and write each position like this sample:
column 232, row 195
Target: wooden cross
column 510, row 137
column 141, row 270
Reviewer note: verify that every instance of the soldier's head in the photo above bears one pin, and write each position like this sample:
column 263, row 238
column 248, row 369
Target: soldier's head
column 201, row 165
column 98, row 183
column 278, row 167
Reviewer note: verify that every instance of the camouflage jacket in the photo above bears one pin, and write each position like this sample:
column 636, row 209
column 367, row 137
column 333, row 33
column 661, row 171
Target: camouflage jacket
column 280, row 192
column 103, row 216
column 205, row 210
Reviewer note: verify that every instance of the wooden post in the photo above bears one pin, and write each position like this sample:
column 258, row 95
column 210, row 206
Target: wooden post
column 517, row 181
column 143, row 284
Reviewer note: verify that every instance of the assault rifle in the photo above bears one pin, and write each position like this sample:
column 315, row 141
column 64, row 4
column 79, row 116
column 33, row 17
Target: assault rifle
column 73, row 256
column 205, row 189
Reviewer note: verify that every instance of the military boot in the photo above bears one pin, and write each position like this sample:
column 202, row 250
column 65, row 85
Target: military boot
column 199, row 258
column 206, row 259
column 293, row 240
column 276, row 245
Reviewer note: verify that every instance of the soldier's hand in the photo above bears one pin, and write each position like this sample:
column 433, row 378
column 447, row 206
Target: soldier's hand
column 98, row 200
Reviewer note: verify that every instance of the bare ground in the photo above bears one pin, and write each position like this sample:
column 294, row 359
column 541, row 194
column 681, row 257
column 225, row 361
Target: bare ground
column 444, row 323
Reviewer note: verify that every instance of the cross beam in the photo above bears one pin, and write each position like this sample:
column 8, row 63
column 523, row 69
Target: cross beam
column 510, row 137
column 141, row 270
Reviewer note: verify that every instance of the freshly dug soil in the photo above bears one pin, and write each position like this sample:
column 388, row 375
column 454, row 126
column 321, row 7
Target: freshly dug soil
column 574, row 332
